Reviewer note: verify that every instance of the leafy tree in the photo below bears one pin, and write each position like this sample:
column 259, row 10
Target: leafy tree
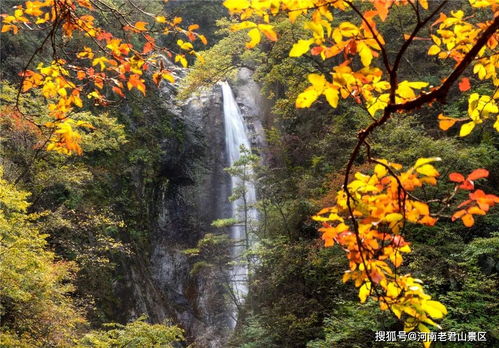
column 372, row 211
column 102, row 64
column 135, row 334
column 75, row 66
column 242, row 173
column 35, row 290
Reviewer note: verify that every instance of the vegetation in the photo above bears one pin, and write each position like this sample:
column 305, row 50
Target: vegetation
column 376, row 183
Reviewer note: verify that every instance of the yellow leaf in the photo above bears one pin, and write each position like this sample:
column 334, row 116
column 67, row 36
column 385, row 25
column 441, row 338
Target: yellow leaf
column 332, row 96
column 422, row 161
column 254, row 34
column 236, row 5
column 292, row 15
column 84, row 124
column 364, row 292
column 417, row 84
column 434, row 49
column 180, row 58
column 405, row 88
column 396, row 259
column 396, row 310
column 186, row 46
column 306, row 98
column 466, row 129
column 379, row 103
column 242, row 25
column 380, row 171
column 168, row 76
column 77, row 101
column 393, row 290
column 337, row 35
column 300, row 48
column 101, row 61
column 393, row 217
column 480, row 70
column 434, row 308
column 348, row 29
column 161, row 19
column 365, row 53
column 317, row 81
column 423, row 328
column 268, row 31
column 316, row 28
column 427, row 170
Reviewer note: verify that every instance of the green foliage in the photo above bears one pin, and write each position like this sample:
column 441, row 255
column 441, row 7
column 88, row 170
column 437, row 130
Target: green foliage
column 350, row 326
column 293, row 290
column 242, row 170
column 474, row 291
column 136, row 334
column 219, row 223
column 212, row 251
column 35, row 303
column 219, row 62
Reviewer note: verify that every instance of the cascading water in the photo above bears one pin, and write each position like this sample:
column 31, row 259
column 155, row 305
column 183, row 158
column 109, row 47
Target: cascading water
column 236, row 135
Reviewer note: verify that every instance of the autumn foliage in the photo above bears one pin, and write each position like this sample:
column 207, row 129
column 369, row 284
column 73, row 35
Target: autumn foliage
column 372, row 211
column 107, row 63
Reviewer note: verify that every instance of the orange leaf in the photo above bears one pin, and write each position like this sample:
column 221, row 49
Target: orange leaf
column 464, row 85
column 156, row 77
column 140, row 26
column 467, row 185
column 382, row 8
column 105, row 36
column 80, row 75
column 137, row 82
column 456, row 177
column 118, row 91
column 464, row 203
column 316, row 50
column 468, row 220
column 478, row 174
column 203, row 39
column 458, row 214
column 7, row 27
column 476, row 210
column 148, row 47
column 445, row 122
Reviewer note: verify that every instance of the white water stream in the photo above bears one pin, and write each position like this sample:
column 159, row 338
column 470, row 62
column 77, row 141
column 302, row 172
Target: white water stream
column 236, row 134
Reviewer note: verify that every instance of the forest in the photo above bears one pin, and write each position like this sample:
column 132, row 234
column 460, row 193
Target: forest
column 249, row 173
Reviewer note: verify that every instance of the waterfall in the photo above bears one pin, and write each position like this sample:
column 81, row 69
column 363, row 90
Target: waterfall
column 236, row 134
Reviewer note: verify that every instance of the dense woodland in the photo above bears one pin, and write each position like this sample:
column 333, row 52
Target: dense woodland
column 79, row 178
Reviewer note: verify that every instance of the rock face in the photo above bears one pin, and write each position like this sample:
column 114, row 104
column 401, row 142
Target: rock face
column 191, row 192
